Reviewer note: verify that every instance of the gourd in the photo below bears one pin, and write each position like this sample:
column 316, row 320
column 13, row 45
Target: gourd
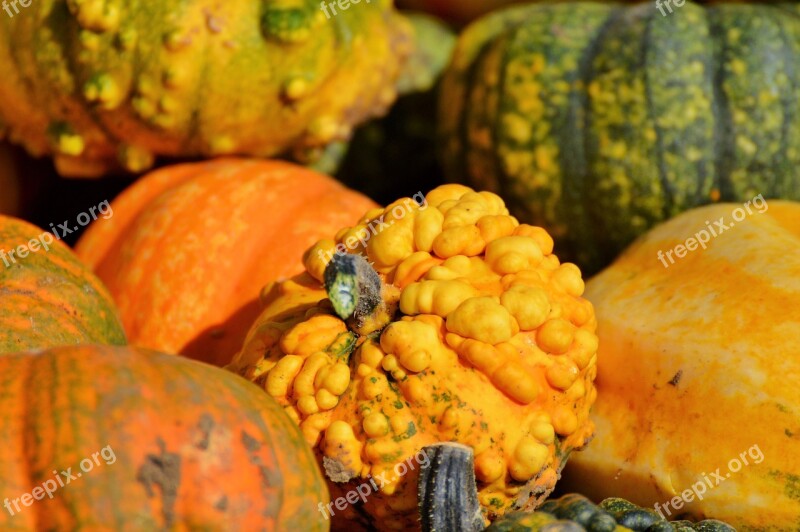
column 47, row 297
column 150, row 442
column 697, row 398
column 106, row 84
column 600, row 120
column 190, row 246
column 439, row 319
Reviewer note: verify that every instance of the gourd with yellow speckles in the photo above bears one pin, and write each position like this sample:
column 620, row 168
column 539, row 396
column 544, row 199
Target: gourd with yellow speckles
column 101, row 84
column 444, row 320
column 599, row 120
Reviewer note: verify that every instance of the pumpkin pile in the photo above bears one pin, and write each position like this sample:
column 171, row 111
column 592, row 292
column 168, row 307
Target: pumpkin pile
column 492, row 266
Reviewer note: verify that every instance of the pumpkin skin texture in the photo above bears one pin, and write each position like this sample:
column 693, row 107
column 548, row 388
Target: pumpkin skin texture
column 598, row 121
column 195, row 447
column 48, row 298
column 698, row 367
column 190, row 246
column 492, row 347
column 109, row 86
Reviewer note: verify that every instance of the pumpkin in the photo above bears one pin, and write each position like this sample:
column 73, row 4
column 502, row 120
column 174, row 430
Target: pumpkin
column 438, row 318
column 598, row 121
column 105, row 85
column 47, row 297
column 699, row 409
column 190, row 246
column 126, row 438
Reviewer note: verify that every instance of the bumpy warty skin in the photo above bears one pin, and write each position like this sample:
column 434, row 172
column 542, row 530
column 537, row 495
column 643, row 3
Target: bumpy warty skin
column 106, row 84
column 493, row 347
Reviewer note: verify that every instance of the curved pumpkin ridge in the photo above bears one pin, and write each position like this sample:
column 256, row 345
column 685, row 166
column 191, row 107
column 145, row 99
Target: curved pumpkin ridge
column 229, row 227
column 682, row 394
column 191, row 446
column 49, row 298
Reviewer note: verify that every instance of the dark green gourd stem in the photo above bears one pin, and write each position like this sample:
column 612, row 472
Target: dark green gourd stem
column 353, row 286
column 447, row 494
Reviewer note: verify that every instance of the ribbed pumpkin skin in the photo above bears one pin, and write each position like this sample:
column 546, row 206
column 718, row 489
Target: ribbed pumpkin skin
column 112, row 84
column 190, row 246
column 49, row 298
column 234, row 459
column 597, row 121
column 728, row 319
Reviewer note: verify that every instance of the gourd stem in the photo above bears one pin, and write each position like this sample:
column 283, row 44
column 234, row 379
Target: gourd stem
column 446, row 493
column 353, row 286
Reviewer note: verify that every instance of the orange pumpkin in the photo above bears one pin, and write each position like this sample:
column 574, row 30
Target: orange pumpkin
column 145, row 441
column 190, row 246
column 47, row 297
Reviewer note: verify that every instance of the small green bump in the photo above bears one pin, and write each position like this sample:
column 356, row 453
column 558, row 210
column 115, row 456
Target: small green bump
column 144, row 107
column 101, row 89
column 89, row 40
column 287, row 24
column 95, row 15
column 135, row 159
column 64, row 139
column 295, row 88
column 127, row 39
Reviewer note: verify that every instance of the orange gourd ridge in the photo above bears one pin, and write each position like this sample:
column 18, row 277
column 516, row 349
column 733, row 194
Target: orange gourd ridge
column 190, row 246
column 469, row 330
column 184, row 446
column 47, row 297
column 698, row 406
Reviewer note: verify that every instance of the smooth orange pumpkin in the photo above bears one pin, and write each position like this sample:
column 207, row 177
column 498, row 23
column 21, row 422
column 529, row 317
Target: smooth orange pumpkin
column 190, row 246
column 147, row 442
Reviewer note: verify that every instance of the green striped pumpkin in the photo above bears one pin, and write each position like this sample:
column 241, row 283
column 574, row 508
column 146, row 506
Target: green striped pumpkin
column 48, row 298
column 598, row 121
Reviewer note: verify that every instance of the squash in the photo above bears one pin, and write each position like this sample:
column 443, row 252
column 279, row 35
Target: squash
column 439, row 318
column 699, row 409
column 47, row 297
column 598, row 121
column 102, row 85
column 123, row 438
column 190, row 246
